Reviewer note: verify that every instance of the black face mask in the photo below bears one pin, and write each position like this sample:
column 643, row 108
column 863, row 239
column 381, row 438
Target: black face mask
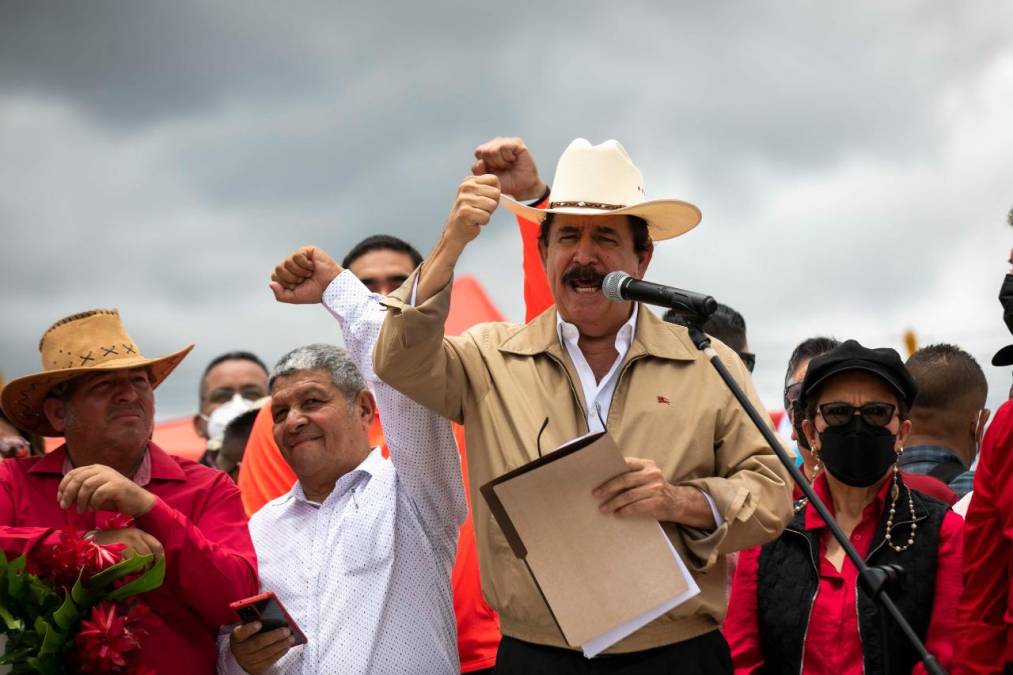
column 857, row 454
column 1006, row 298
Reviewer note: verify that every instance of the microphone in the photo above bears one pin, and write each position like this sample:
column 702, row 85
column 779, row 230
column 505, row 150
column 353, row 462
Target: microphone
column 619, row 286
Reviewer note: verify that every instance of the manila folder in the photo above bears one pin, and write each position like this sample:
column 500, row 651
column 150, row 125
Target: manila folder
column 603, row 576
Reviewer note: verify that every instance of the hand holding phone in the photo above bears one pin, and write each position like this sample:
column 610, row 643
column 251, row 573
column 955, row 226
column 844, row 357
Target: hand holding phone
column 266, row 633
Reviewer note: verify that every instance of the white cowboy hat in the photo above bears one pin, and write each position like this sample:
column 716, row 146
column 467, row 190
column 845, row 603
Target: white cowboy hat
column 602, row 180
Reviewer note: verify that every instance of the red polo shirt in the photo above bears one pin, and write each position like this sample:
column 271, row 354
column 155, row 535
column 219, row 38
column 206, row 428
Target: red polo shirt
column 198, row 517
column 985, row 614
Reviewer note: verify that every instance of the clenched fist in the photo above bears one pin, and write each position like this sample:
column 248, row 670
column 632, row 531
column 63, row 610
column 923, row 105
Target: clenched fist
column 97, row 487
column 302, row 277
column 509, row 160
column 477, row 198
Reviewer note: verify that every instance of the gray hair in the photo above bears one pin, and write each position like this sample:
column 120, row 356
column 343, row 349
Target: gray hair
column 335, row 360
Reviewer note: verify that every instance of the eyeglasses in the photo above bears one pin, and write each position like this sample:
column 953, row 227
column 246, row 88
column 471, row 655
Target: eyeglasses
column 748, row 359
column 838, row 414
column 791, row 394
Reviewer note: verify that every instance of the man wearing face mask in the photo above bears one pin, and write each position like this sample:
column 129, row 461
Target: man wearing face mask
column 984, row 631
column 796, row 603
column 232, row 384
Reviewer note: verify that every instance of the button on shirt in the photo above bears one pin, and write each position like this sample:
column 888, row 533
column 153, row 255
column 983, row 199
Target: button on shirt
column 366, row 573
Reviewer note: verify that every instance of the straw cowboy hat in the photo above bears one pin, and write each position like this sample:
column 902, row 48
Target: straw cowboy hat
column 89, row 342
column 602, row 180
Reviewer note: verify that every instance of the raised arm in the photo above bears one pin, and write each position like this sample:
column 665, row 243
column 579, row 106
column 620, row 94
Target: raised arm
column 421, row 443
column 513, row 164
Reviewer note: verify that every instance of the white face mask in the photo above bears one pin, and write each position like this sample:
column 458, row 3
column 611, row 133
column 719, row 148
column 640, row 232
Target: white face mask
column 222, row 415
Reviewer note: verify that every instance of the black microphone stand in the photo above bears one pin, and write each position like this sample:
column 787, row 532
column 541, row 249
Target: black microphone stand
column 874, row 580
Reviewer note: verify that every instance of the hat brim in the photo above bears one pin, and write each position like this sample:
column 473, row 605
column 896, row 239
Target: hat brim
column 897, row 386
column 22, row 398
column 1003, row 357
column 666, row 218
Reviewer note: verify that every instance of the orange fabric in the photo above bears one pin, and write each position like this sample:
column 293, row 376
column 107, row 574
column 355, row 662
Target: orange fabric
column 264, row 475
column 537, row 296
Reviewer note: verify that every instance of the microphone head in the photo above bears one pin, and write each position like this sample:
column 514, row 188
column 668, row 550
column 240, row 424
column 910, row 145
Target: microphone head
column 611, row 287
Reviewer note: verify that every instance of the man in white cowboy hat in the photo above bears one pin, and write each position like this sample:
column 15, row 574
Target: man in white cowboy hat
column 96, row 390
column 696, row 463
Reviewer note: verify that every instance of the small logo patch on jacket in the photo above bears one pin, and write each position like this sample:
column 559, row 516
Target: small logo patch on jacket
column 664, row 401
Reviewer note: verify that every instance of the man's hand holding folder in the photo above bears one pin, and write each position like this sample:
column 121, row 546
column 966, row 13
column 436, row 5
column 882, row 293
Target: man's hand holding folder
column 643, row 491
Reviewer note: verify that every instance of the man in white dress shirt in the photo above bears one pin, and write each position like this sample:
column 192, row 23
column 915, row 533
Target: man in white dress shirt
column 360, row 550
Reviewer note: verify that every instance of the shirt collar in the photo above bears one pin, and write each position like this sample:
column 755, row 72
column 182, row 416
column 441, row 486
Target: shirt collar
column 156, row 465
column 933, row 453
column 360, row 475
column 813, row 520
column 568, row 333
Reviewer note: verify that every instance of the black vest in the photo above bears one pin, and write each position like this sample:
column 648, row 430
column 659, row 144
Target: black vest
column 788, row 578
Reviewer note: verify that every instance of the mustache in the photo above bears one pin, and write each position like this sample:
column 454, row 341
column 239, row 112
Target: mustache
column 583, row 274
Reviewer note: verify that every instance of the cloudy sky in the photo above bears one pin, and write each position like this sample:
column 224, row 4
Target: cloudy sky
column 852, row 160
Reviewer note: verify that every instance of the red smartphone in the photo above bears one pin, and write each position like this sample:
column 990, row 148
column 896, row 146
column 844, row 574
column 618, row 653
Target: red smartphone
column 268, row 610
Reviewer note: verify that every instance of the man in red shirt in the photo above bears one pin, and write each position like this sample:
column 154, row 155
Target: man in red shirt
column 96, row 390
column 985, row 614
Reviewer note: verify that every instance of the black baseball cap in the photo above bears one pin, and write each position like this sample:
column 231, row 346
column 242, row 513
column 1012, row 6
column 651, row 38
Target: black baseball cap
column 850, row 355
column 1003, row 357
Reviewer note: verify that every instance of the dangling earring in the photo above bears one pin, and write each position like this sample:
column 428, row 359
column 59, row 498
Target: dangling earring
column 816, row 466
column 893, row 511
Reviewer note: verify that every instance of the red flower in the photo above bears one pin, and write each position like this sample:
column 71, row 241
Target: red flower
column 72, row 554
column 108, row 639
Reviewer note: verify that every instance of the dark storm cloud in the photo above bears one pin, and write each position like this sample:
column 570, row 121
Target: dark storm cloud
column 162, row 157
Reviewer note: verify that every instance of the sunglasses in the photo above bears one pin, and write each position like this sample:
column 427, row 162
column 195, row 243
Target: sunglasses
column 791, row 394
column 838, row 414
column 748, row 359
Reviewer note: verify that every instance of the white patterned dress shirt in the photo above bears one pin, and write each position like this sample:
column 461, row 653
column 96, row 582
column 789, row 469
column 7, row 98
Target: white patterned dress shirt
column 366, row 573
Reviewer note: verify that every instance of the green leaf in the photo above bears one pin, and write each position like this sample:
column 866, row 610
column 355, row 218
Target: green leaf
column 148, row 581
column 16, row 578
column 135, row 563
column 81, row 596
column 53, row 640
column 67, row 615
column 9, row 620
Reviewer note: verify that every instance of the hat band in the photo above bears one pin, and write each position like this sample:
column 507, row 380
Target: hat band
column 586, row 205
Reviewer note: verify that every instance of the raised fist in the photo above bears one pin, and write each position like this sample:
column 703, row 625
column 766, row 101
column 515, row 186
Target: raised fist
column 477, row 198
column 302, row 277
column 509, row 160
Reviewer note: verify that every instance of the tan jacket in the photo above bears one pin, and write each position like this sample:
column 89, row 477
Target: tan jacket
column 502, row 380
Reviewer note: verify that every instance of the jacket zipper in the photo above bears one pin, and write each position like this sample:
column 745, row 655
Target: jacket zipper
column 573, row 389
column 812, row 602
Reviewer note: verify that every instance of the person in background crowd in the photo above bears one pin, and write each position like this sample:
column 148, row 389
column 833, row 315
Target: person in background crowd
column 382, row 263
column 796, row 603
column 497, row 377
column 798, row 364
column 949, row 416
column 13, row 441
column 230, row 385
column 726, row 325
column 230, row 456
column 373, row 540
column 96, row 389
column 985, row 617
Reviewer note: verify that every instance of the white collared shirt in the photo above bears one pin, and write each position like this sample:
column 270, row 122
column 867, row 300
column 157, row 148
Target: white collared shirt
column 597, row 395
column 366, row 573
